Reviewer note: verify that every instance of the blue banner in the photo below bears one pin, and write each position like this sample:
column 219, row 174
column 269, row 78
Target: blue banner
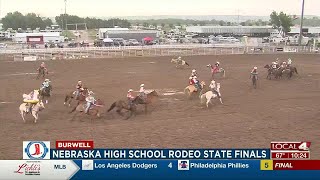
column 161, row 154
column 183, row 169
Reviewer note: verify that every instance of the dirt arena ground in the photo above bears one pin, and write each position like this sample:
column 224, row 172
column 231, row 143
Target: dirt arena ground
column 278, row 110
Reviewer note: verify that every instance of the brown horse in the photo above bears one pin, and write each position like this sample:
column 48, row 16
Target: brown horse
column 149, row 99
column 95, row 109
column 122, row 104
column 42, row 72
column 191, row 89
column 72, row 95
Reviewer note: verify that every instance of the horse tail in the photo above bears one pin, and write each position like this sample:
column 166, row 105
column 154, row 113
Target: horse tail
column 224, row 73
column 202, row 97
column 187, row 64
column 112, row 106
column 295, row 70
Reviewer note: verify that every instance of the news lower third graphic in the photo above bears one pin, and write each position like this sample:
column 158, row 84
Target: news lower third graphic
column 80, row 160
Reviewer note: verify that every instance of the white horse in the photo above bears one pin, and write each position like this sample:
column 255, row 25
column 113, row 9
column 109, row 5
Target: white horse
column 211, row 95
column 35, row 110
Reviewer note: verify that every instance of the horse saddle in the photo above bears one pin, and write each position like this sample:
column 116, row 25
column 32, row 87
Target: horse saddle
column 91, row 107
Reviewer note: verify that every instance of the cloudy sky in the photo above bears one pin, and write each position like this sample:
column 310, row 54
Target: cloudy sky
column 159, row 7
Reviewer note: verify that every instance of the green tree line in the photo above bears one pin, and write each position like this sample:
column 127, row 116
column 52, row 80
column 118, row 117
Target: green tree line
column 92, row 23
column 17, row 20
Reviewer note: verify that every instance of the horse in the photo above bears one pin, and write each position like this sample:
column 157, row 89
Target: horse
column 42, row 72
column 149, row 99
column 211, row 95
column 275, row 72
column 254, row 79
column 219, row 71
column 191, row 89
column 81, row 96
column 45, row 93
column 121, row 104
column 179, row 62
column 35, row 110
column 289, row 71
column 95, row 109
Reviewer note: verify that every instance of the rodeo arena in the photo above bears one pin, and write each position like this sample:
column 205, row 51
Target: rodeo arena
column 160, row 94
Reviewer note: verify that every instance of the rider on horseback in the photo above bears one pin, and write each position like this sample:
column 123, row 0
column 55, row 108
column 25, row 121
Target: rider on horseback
column 42, row 66
column 45, row 84
column 193, row 73
column 283, row 65
column 130, row 97
column 179, row 60
column 274, row 65
column 31, row 99
column 142, row 92
column 90, row 101
column 213, row 88
column 289, row 62
column 79, row 88
column 254, row 72
column 216, row 68
column 196, row 83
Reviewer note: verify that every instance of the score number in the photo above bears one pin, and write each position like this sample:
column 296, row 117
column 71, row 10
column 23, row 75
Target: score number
column 170, row 165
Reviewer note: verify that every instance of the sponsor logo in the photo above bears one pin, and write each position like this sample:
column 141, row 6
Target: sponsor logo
column 29, row 168
column 36, row 149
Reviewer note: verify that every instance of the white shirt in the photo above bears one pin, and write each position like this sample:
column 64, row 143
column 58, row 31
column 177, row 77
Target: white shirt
column 141, row 90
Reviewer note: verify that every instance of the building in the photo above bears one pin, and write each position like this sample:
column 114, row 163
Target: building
column 5, row 35
column 230, row 30
column 103, row 31
column 38, row 38
column 127, row 34
column 133, row 34
column 314, row 31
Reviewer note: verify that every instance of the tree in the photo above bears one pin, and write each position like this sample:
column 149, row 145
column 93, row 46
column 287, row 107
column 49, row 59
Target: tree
column 145, row 24
column 281, row 21
column 14, row 20
column 154, row 25
column 163, row 25
column 171, row 25
column 17, row 20
column 221, row 23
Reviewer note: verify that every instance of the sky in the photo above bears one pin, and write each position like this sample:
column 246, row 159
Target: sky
column 107, row 8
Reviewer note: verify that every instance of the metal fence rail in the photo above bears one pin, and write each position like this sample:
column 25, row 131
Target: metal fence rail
column 151, row 51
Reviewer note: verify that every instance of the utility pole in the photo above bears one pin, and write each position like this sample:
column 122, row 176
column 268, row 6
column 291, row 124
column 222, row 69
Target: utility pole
column 301, row 23
column 65, row 14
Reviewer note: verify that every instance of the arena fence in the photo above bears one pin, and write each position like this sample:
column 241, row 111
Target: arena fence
column 151, row 51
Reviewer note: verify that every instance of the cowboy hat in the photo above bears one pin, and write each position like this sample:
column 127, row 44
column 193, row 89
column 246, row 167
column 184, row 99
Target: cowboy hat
column 255, row 67
column 130, row 90
column 142, row 85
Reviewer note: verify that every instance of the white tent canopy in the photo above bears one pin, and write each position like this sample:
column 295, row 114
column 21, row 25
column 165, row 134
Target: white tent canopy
column 107, row 40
